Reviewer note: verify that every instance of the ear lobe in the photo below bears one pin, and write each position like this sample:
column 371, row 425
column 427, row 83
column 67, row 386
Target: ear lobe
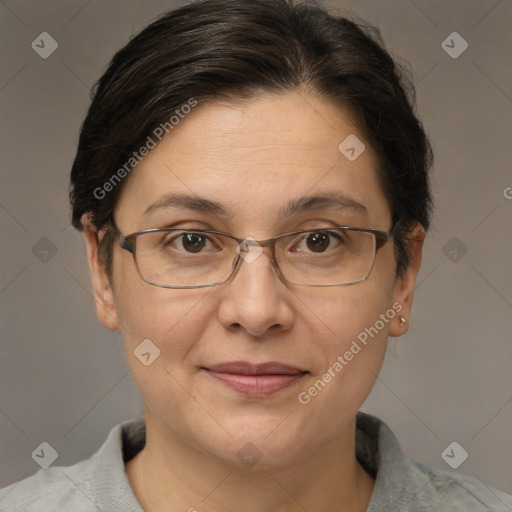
column 103, row 293
column 404, row 287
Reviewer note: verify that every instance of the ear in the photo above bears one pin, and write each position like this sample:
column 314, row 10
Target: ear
column 103, row 293
column 404, row 287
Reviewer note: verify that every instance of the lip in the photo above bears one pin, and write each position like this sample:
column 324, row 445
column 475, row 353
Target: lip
column 256, row 380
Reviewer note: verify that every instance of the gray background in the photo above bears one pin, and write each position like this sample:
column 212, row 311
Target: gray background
column 63, row 377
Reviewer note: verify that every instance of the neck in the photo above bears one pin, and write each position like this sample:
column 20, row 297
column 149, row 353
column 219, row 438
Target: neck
column 169, row 472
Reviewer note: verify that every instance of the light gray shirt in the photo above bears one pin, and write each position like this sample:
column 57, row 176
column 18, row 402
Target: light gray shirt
column 100, row 482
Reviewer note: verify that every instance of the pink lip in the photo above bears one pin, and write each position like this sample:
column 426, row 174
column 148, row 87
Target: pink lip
column 255, row 380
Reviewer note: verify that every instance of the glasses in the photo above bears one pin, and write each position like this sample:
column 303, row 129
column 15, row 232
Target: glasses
column 196, row 258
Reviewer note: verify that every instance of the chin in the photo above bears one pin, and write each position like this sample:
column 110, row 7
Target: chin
column 258, row 448
column 257, row 456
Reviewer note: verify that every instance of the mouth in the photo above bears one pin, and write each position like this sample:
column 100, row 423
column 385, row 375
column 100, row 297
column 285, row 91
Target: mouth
column 255, row 380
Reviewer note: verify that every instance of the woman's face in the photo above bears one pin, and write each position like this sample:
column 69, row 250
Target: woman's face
column 254, row 159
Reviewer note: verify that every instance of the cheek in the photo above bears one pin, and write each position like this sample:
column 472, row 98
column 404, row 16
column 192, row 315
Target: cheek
column 340, row 315
column 172, row 319
column 350, row 329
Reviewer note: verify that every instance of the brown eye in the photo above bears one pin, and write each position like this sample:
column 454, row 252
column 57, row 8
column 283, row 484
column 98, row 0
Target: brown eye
column 318, row 242
column 193, row 242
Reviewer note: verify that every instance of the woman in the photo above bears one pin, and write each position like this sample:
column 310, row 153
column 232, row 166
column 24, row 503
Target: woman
column 252, row 184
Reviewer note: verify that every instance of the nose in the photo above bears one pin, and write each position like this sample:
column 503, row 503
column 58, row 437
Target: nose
column 255, row 299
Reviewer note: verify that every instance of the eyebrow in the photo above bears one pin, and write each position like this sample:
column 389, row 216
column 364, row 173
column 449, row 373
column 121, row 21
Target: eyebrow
column 325, row 200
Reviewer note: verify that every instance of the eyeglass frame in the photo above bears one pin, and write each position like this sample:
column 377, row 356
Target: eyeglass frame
column 129, row 243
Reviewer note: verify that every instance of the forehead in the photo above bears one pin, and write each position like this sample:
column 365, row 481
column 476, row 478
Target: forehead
column 256, row 161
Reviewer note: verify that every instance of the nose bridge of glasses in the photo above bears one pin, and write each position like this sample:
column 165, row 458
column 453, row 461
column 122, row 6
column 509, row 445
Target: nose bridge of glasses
column 249, row 249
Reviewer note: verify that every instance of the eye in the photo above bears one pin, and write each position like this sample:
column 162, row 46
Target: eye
column 318, row 242
column 189, row 242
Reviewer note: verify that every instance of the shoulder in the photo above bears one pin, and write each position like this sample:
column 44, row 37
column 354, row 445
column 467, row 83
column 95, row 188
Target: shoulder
column 97, row 483
column 55, row 488
column 443, row 490
column 408, row 486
